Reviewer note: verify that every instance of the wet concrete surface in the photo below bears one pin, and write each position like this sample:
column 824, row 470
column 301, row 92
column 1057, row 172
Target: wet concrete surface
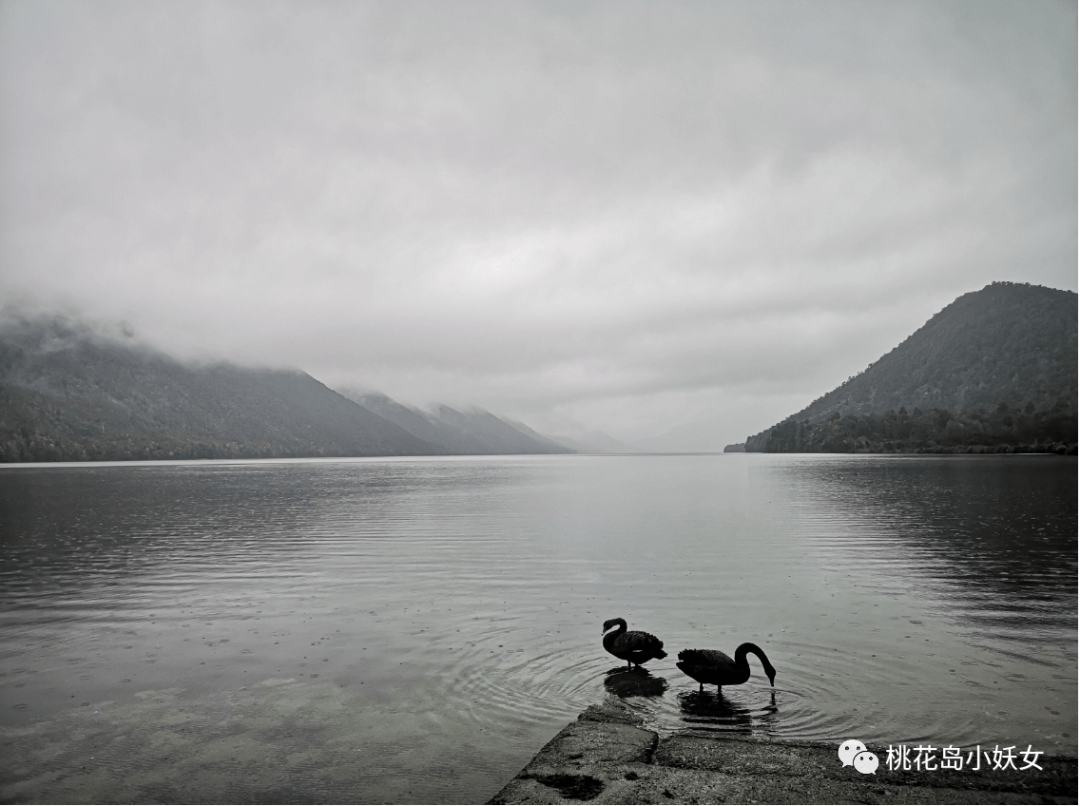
column 606, row 756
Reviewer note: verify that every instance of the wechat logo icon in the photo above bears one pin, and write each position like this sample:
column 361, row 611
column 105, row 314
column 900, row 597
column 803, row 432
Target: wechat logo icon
column 853, row 753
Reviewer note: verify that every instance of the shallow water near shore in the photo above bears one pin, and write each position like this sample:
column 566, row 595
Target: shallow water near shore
column 414, row 630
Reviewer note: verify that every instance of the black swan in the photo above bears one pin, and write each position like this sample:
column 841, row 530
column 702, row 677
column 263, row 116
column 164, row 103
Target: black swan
column 715, row 668
column 634, row 647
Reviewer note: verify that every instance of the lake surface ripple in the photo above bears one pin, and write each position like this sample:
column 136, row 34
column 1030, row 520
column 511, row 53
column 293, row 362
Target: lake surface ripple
column 416, row 629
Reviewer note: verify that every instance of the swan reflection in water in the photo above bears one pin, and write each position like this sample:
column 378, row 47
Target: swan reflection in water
column 746, row 713
column 707, row 711
column 639, row 682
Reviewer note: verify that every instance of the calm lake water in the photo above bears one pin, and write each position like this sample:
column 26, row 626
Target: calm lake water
column 416, row 629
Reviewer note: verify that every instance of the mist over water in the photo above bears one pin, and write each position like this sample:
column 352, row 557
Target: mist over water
column 415, row 630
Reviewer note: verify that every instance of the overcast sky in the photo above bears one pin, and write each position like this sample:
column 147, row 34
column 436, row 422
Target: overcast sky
column 614, row 215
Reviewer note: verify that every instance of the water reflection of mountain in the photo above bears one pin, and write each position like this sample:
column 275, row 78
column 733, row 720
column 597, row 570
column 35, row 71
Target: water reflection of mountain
column 1000, row 533
column 74, row 528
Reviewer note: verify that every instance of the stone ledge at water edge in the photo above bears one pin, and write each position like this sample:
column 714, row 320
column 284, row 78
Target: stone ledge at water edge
column 607, row 757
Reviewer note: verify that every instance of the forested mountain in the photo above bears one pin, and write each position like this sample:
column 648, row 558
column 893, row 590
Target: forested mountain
column 69, row 393
column 994, row 370
column 474, row 432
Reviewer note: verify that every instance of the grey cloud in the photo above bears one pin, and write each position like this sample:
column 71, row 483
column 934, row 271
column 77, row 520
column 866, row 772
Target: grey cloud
column 643, row 213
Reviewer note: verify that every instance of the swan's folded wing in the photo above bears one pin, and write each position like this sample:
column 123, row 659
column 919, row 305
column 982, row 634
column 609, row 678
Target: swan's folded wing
column 706, row 658
column 636, row 641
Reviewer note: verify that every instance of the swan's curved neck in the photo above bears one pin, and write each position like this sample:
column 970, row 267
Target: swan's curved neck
column 751, row 649
column 620, row 624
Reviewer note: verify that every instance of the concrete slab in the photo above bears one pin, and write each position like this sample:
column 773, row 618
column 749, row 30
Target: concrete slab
column 606, row 756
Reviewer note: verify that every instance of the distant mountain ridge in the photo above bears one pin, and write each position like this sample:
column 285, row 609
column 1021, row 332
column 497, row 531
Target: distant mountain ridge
column 996, row 367
column 68, row 393
column 465, row 433
column 596, row 442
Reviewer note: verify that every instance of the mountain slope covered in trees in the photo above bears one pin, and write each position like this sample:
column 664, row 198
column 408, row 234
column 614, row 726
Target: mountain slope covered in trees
column 69, row 393
column 994, row 370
